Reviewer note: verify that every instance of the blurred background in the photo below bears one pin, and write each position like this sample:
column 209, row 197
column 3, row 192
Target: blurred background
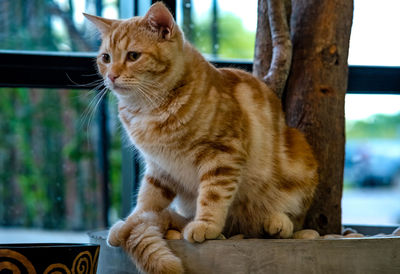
column 50, row 142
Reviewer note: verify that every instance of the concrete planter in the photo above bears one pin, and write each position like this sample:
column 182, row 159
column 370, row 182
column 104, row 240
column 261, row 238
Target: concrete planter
column 351, row 255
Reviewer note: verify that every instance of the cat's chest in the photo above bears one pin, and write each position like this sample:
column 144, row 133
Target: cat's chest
column 163, row 147
column 178, row 166
column 147, row 131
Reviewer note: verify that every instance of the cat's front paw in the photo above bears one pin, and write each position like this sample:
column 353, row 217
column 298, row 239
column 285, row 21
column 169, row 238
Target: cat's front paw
column 114, row 237
column 199, row 231
column 121, row 230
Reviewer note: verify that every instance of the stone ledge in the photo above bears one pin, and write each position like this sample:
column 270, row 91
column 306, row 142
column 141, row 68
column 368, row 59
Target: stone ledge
column 357, row 255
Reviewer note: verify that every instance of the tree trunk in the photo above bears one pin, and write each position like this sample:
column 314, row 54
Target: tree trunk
column 314, row 96
column 314, row 99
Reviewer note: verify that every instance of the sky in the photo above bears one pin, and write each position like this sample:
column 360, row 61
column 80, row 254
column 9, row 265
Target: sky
column 363, row 106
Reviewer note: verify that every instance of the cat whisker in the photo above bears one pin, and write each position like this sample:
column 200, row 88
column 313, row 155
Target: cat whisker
column 157, row 99
column 88, row 109
column 88, row 114
column 91, row 91
column 146, row 96
column 90, row 84
column 146, row 90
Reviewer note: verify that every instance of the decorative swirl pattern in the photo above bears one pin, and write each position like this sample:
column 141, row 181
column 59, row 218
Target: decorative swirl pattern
column 9, row 266
column 15, row 262
column 82, row 263
column 57, row 269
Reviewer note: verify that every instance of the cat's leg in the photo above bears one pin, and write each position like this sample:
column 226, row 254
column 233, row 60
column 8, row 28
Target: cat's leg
column 278, row 224
column 154, row 196
column 218, row 186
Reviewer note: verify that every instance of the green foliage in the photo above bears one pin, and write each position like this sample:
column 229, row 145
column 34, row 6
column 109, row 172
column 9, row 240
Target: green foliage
column 49, row 174
column 27, row 25
column 376, row 127
column 234, row 40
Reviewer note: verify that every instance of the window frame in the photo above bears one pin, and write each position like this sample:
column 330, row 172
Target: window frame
column 78, row 70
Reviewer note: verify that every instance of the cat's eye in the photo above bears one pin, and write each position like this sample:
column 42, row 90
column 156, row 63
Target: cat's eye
column 133, row 55
column 106, row 58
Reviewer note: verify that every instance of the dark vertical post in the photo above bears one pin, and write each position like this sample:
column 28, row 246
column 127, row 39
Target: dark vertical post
column 135, row 7
column 214, row 29
column 104, row 161
column 187, row 19
column 103, row 146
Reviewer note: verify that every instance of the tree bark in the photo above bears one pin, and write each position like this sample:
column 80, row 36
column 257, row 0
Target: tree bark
column 263, row 48
column 314, row 97
column 315, row 90
column 273, row 52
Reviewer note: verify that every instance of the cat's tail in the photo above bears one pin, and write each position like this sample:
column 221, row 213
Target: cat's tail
column 142, row 236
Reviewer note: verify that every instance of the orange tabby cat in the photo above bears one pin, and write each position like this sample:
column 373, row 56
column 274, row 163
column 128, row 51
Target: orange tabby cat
column 214, row 141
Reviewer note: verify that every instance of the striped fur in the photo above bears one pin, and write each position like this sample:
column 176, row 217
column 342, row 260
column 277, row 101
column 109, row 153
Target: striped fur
column 215, row 143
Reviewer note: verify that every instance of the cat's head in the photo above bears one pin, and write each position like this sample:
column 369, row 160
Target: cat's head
column 141, row 58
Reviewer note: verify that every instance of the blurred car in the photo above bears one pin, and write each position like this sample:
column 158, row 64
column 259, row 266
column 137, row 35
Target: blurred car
column 372, row 163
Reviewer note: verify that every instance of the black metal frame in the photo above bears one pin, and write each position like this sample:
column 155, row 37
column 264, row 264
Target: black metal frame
column 78, row 71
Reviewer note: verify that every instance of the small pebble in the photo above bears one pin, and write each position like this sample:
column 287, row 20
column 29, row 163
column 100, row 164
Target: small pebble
column 348, row 230
column 221, row 237
column 237, row 237
column 332, row 236
column 173, row 235
column 379, row 235
column 308, row 234
column 396, row 232
column 382, row 235
column 354, row 235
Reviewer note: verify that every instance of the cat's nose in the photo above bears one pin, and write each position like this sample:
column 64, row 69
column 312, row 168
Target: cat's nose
column 112, row 77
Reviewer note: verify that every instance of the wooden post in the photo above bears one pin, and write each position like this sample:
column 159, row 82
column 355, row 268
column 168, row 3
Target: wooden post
column 314, row 95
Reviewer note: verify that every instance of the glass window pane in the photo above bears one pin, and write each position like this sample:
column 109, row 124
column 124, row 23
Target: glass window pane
column 56, row 25
column 373, row 38
column 374, row 35
column 220, row 29
column 49, row 160
column 372, row 161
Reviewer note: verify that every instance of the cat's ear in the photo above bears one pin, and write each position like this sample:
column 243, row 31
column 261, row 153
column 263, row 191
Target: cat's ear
column 160, row 20
column 102, row 24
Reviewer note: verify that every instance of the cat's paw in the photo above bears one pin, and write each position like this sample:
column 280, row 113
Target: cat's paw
column 279, row 225
column 173, row 234
column 199, row 231
column 114, row 237
column 120, row 231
